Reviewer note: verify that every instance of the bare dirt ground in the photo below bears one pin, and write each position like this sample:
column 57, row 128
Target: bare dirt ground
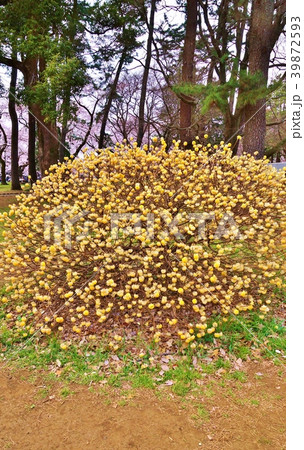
column 7, row 199
column 36, row 414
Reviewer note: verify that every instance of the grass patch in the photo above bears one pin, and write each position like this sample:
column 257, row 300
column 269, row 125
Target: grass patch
column 222, row 364
column 142, row 380
column 243, row 333
column 238, row 375
column 94, row 363
column 44, row 392
column 202, row 414
column 181, row 388
column 66, row 392
column 7, row 187
column 209, row 393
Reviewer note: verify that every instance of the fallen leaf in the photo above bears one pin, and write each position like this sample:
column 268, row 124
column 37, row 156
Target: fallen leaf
column 222, row 352
column 164, row 359
column 238, row 364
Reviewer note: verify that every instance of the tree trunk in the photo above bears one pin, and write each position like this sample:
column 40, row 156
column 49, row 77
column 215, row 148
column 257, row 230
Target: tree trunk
column 32, row 147
column 188, row 69
column 2, row 160
column 48, row 142
column 231, row 127
column 143, row 94
column 264, row 31
column 3, row 171
column 108, row 105
column 15, row 132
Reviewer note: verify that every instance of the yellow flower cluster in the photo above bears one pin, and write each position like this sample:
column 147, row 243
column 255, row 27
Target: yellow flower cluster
column 67, row 272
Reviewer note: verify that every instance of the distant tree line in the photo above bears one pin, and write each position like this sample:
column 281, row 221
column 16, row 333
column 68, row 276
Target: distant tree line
column 91, row 74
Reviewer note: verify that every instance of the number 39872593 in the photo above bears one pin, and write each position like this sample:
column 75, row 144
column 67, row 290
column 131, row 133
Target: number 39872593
column 295, row 47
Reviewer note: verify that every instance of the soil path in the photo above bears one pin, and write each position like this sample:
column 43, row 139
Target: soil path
column 38, row 416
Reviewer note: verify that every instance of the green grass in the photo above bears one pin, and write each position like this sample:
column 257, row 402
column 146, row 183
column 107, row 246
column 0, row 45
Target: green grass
column 90, row 363
column 65, row 392
column 242, row 333
column 181, row 389
column 202, row 413
column 239, row 376
column 7, row 187
column 142, row 380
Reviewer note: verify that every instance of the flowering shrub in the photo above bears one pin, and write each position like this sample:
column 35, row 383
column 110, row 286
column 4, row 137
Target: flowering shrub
column 154, row 242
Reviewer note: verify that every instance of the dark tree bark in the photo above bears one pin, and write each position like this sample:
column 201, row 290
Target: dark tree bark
column 186, row 105
column 143, row 94
column 266, row 27
column 2, row 161
column 32, row 147
column 48, row 141
column 15, row 132
column 111, row 96
column 231, row 128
